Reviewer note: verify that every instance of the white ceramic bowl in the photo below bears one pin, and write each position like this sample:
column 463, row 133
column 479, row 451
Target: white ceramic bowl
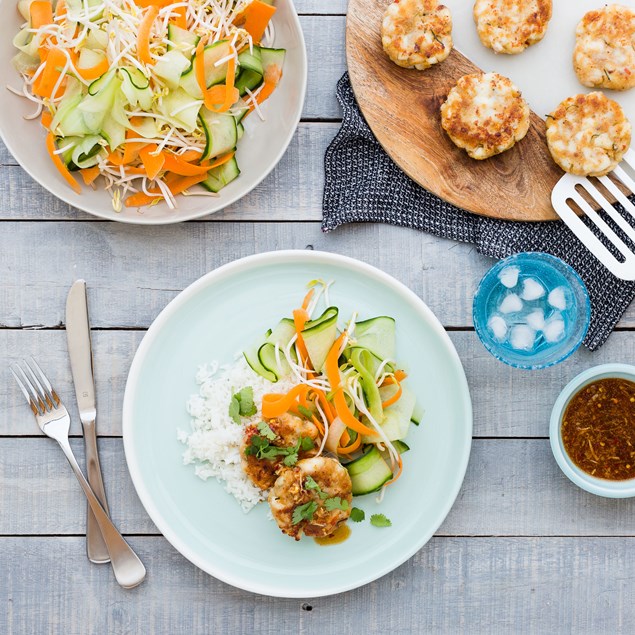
column 599, row 486
column 260, row 149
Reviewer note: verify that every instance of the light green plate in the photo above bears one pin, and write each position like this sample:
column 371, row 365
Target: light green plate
column 216, row 317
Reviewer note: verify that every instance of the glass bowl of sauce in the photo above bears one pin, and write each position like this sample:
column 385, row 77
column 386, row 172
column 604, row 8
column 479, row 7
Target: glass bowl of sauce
column 592, row 430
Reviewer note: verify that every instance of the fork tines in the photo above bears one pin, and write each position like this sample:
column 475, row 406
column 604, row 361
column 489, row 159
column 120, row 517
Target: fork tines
column 35, row 386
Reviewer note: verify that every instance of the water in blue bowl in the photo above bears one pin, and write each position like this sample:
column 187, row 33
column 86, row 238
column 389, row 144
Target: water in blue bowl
column 531, row 310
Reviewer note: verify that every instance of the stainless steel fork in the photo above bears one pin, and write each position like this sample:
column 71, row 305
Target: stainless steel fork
column 54, row 421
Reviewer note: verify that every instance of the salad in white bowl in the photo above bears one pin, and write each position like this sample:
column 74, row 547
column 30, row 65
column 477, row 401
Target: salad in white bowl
column 148, row 101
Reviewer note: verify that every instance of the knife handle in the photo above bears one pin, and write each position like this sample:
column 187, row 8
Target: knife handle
column 95, row 545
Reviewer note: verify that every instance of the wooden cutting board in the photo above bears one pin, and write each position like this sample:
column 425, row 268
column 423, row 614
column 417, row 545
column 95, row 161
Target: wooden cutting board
column 402, row 108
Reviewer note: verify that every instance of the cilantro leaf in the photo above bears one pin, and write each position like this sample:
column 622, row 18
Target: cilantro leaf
column 379, row 520
column 290, row 459
column 262, row 448
column 310, row 483
column 234, row 410
column 266, row 431
column 306, row 443
column 357, row 515
column 242, row 404
column 246, row 399
column 336, row 503
column 305, row 412
column 304, row 512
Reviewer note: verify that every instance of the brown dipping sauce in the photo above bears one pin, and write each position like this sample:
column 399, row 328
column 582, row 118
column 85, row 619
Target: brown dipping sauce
column 598, row 429
column 339, row 535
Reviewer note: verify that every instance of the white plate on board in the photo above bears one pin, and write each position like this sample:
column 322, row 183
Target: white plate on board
column 543, row 72
column 260, row 149
column 220, row 314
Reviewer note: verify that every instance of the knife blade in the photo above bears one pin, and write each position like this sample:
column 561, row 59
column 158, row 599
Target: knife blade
column 80, row 352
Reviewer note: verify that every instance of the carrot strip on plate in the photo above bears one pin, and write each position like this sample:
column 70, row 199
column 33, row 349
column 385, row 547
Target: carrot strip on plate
column 176, row 185
column 223, row 158
column 257, row 16
column 276, row 404
column 223, row 100
column 90, row 174
column 41, row 13
column 273, row 74
column 55, row 62
column 300, row 318
column 153, row 163
column 59, row 164
column 307, row 298
column 326, row 406
column 339, row 400
column 46, row 119
column 143, row 35
column 318, row 424
column 180, row 19
column 191, row 155
column 348, row 449
column 92, row 72
column 394, row 398
column 131, row 149
column 175, row 164
column 399, row 472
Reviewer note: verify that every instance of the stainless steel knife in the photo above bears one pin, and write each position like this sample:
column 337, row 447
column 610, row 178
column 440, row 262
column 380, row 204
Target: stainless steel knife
column 80, row 352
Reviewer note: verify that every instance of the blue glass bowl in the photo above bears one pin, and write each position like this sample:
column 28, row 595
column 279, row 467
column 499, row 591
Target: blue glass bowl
column 550, row 272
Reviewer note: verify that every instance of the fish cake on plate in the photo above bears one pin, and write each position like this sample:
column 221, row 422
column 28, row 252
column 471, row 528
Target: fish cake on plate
column 588, row 134
column 417, row 33
column 262, row 458
column 604, row 54
column 510, row 26
column 312, row 498
column 485, row 114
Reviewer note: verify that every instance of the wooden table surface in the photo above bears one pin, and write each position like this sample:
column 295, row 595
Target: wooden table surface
column 523, row 550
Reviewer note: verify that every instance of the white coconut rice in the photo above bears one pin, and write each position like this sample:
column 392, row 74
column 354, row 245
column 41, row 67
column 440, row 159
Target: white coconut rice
column 213, row 445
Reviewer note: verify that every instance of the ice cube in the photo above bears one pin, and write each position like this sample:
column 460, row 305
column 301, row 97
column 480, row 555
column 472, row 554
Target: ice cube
column 509, row 277
column 522, row 337
column 557, row 298
column 536, row 319
column 510, row 303
column 554, row 330
column 498, row 327
column 532, row 289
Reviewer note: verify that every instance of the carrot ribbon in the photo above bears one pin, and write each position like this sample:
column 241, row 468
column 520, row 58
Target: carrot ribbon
column 59, row 164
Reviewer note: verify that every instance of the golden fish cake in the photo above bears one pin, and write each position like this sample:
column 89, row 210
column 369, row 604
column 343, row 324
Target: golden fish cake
column 417, row 33
column 485, row 114
column 604, row 54
column 510, row 26
column 588, row 134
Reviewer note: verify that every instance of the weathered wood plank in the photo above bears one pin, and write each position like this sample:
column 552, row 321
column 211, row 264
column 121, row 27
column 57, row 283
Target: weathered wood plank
column 134, row 271
column 513, row 487
column 293, row 191
column 325, row 38
column 453, row 585
column 37, row 483
column 502, row 406
column 321, row 7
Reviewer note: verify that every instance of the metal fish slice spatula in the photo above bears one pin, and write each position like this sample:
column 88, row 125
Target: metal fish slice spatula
column 582, row 191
